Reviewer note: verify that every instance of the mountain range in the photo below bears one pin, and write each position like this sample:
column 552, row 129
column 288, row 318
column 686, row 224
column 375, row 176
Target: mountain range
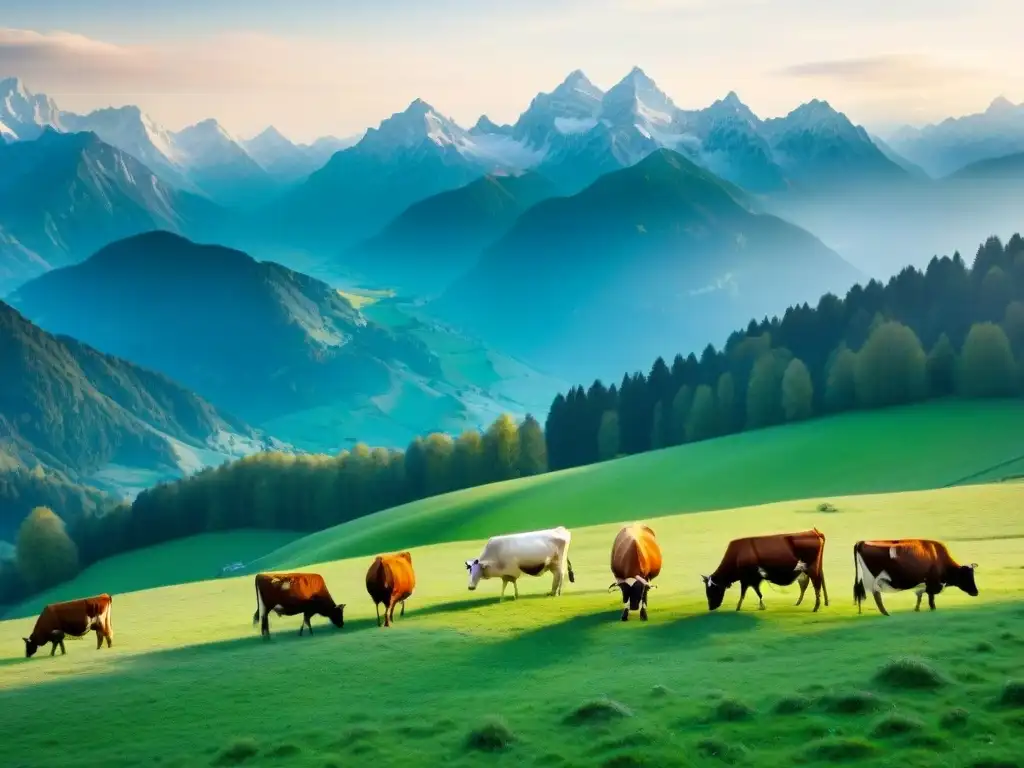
column 944, row 148
column 63, row 196
column 648, row 260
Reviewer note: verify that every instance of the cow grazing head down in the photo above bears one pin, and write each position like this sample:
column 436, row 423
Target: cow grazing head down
column 715, row 592
column 30, row 648
column 337, row 615
column 632, row 593
column 476, row 572
column 963, row 577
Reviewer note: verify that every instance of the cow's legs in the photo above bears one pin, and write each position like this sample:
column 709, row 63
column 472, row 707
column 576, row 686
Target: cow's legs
column 625, row 608
column 803, row 580
column 403, row 609
column 377, row 607
column 760, row 597
column 265, row 625
column 504, row 584
column 556, row 581
column 920, row 594
column 643, row 605
column 515, row 586
column 305, row 623
column 878, row 601
column 54, row 649
column 743, row 594
column 99, row 638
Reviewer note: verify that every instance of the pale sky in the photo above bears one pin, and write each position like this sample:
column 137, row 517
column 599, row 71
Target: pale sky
column 316, row 67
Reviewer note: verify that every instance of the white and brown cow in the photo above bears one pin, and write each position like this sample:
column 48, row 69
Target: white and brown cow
column 509, row 557
column 900, row 564
column 636, row 562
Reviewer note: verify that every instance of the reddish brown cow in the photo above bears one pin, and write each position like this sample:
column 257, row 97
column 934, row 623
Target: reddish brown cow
column 289, row 594
column 636, row 562
column 898, row 564
column 781, row 559
column 390, row 580
column 75, row 618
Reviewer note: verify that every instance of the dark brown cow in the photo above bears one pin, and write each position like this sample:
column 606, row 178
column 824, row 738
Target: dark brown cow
column 899, row 564
column 75, row 618
column 780, row 559
column 636, row 562
column 289, row 594
column 390, row 580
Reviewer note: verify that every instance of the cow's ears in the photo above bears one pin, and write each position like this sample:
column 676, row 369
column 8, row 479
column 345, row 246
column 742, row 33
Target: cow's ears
column 974, row 566
column 704, row 578
column 469, row 565
column 26, row 640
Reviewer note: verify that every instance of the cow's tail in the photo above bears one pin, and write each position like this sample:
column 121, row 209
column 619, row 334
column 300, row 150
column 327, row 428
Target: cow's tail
column 572, row 576
column 256, row 616
column 859, row 593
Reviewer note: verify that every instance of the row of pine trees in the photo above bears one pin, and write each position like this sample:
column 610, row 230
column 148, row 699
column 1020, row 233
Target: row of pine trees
column 946, row 331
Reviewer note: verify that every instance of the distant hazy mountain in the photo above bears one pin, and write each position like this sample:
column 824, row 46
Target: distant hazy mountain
column 411, row 156
column 216, row 162
column 1008, row 168
column 281, row 159
column 23, row 114
column 913, row 169
column 435, row 240
column 956, row 142
column 68, row 407
column 649, row 260
column 252, row 337
column 63, row 196
column 820, row 148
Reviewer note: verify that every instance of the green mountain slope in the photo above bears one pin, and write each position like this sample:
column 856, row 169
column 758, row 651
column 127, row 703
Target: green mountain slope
column 253, row 337
column 648, row 260
column 74, row 412
column 435, row 240
column 941, row 444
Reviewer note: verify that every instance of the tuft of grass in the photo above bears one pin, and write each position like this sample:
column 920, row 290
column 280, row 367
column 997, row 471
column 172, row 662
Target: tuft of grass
column 493, row 735
column 836, row 750
column 731, row 710
column 895, row 724
column 910, row 674
column 721, row 749
column 237, row 752
column 1012, row 694
column 284, row 750
column 597, row 712
column 793, row 705
column 660, row 692
column 853, row 703
column 826, row 506
column 954, row 719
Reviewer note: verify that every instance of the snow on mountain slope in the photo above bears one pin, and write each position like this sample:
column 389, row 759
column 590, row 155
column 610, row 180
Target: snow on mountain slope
column 23, row 114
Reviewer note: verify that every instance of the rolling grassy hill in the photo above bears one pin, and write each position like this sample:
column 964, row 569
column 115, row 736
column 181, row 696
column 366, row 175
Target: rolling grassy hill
column 914, row 448
column 463, row 679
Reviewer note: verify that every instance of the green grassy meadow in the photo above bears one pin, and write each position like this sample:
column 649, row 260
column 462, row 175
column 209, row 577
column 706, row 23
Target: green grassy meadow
column 541, row 681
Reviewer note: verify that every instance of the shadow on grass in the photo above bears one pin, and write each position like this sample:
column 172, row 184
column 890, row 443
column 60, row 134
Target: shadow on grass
column 577, row 636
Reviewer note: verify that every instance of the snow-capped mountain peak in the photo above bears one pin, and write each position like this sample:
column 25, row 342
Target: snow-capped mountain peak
column 23, row 113
column 419, row 122
column 578, row 84
column 636, row 100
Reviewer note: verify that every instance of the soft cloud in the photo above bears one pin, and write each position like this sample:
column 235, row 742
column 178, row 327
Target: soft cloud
column 897, row 72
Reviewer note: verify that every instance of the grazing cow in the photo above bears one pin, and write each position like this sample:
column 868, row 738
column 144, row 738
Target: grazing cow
column 390, row 580
column 75, row 618
column 289, row 594
column 510, row 556
column 919, row 564
column 780, row 559
column 636, row 561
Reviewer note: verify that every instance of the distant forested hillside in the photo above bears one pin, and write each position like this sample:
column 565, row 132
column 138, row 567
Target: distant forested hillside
column 947, row 330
